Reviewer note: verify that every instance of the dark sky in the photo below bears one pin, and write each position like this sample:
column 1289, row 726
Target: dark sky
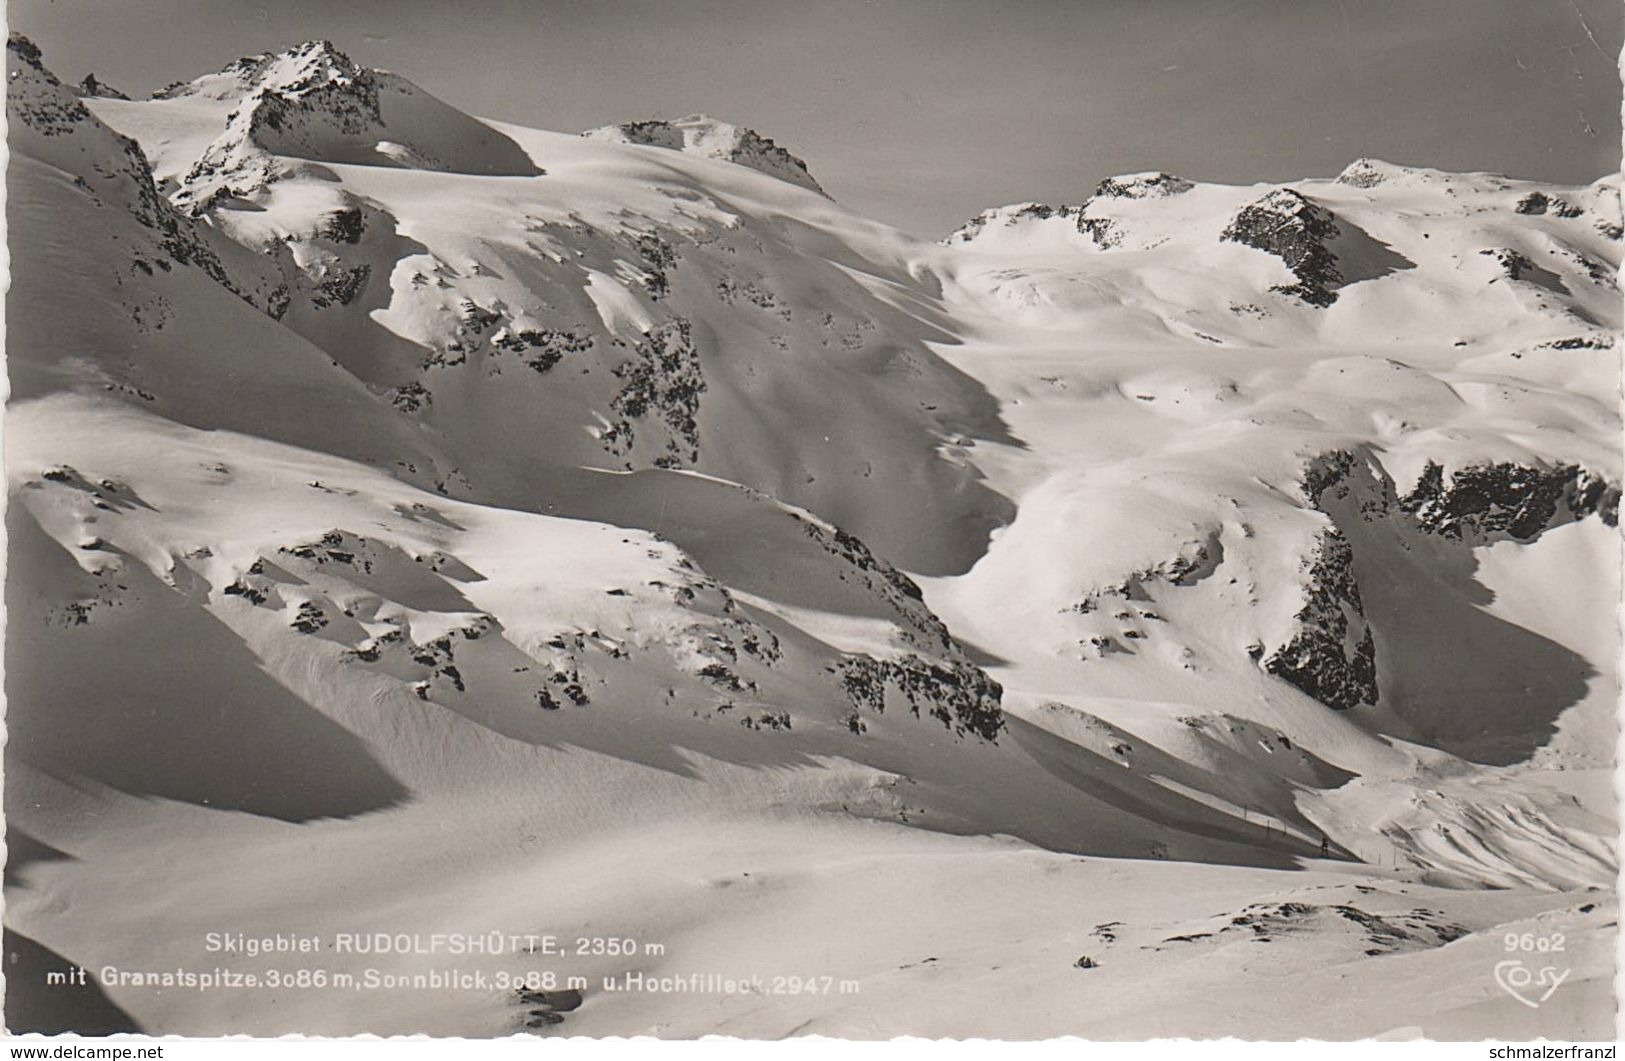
column 923, row 112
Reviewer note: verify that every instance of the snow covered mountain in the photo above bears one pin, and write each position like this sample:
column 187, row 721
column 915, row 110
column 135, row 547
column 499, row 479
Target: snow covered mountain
column 708, row 138
column 314, row 104
column 613, row 534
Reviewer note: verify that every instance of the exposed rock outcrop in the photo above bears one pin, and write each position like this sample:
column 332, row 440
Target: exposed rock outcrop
column 1006, row 216
column 958, row 694
column 49, row 118
column 1332, row 656
column 1487, row 502
column 92, row 86
column 1143, row 186
column 1539, row 203
column 1370, row 172
column 1295, row 230
column 314, row 103
column 662, row 379
column 709, row 138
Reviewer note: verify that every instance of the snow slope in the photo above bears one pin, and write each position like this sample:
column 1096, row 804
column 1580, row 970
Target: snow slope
column 447, row 526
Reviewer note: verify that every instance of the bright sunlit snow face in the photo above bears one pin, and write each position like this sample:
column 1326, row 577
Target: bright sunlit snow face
column 922, row 114
column 421, row 524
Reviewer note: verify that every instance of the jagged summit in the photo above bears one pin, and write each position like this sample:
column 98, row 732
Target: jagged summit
column 291, row 72
column 94, row 86
column 699, row 134
column 1151, row 185
column 300, row 69
column 313, row 102
column 20, row 48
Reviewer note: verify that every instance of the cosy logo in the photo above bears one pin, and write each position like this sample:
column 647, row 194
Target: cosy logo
column 1525, row 983
column 1521, row 982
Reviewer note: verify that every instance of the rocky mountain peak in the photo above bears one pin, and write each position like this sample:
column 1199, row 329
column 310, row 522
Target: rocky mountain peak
column 24, row 50
column 35, row 99
column 1151, row 185
column 314, row 102
column 308, row 66
column 292, row 71
column 93, row 86
column 707, row 137
column 1291, row 227
column 314, row 74
column 1370, row 172
column 1006, row 216
column 38, row 104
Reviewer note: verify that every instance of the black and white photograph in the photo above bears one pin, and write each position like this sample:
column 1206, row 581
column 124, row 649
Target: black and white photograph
column 788, row 518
